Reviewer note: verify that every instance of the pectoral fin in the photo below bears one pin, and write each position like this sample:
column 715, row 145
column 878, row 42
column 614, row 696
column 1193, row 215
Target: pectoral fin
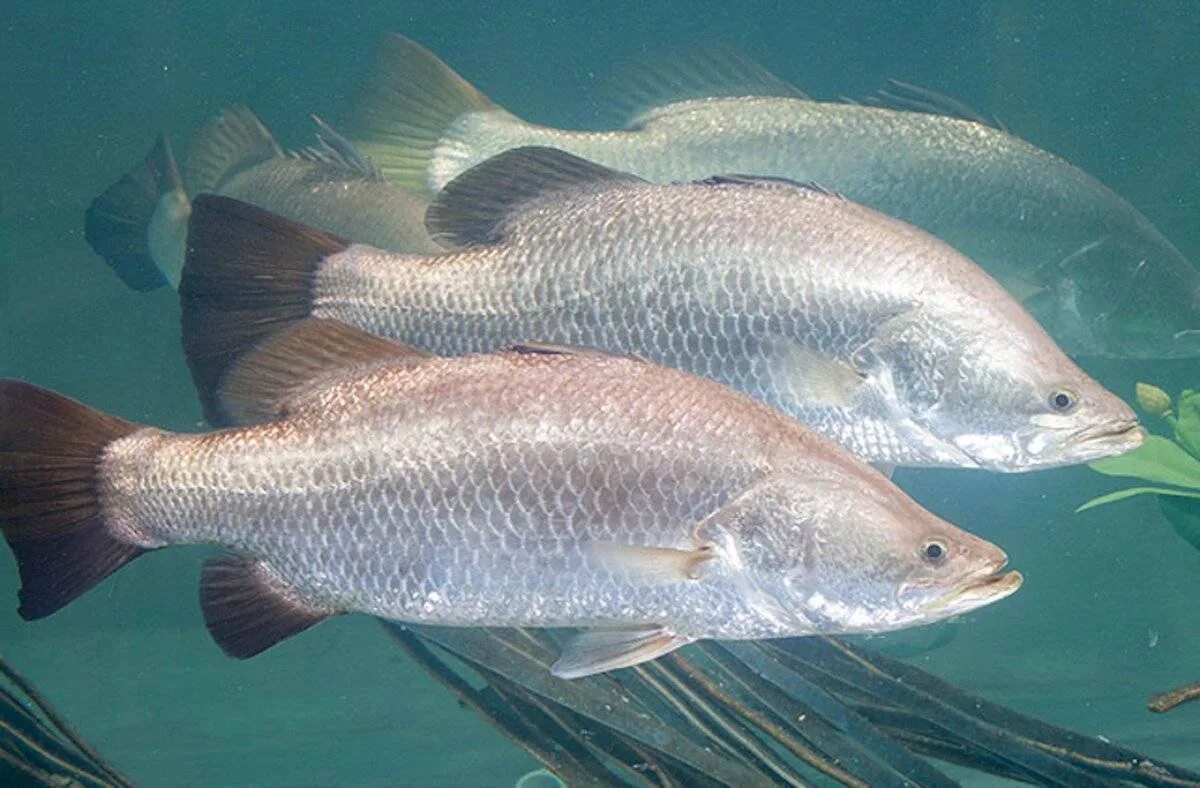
column 653, row 563
column 600, row 650
column 815, row 376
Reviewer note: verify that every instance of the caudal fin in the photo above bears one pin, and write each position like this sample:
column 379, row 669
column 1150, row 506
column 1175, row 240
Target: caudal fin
column 248, row 274
column 409, row 102
column 138, row 224
column 50, row 508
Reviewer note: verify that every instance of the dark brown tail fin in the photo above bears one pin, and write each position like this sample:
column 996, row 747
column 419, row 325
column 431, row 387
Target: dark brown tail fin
column 50, row 510
column 248, row 274
column 119, row 224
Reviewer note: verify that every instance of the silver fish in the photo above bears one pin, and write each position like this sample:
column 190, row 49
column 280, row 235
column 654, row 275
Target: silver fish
column 875, row 333
column 139, row 224
column 1091, row 267
column 543, row 488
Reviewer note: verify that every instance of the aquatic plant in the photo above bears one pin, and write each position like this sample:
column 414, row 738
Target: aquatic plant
column 797, row 711
column 1173, row 468
column 39, row 747
column 1168, row 467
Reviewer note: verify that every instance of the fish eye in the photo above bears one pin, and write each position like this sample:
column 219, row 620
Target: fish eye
column 934, row 551
column 1062, row 400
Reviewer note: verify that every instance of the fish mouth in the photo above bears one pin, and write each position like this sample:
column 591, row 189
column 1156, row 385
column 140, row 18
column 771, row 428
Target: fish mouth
column 977, row 592
column 1106, row 440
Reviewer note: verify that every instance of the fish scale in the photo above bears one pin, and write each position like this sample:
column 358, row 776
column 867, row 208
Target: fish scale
column 837, row 315
column 1094, row 269
column 542, row 486
column 424, row 481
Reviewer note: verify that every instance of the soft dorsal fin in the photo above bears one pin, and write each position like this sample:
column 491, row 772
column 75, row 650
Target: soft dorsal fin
column 335, row 151
column 908, row 97
column 769, row 182
column 643, row 87
column 231, row 142
column 286, row 368
column 476, row 207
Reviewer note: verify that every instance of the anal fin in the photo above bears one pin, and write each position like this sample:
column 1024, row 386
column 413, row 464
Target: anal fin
column 248, row 609
column 600, row 650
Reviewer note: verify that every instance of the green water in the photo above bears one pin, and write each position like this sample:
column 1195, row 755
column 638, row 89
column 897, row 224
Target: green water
column 1109, row 613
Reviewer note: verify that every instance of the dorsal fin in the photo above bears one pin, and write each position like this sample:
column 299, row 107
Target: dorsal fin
column 231, row 142
column 644, row 86
column 908, row 97
column 334, row 150
column 475, row 208
column 286, row 368
column 769, row 182
column 549, row 349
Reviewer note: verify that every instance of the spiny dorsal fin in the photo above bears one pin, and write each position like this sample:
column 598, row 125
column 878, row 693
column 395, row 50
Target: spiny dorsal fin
column 908, row 97
column 477, row 206
column 286, row 368
column 549, row 349
column 769, row 182
column 335, row 151
column 644, row 87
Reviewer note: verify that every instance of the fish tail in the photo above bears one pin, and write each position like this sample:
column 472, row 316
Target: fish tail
column 406, row 109
column 248, row 274
column 51, row 513
column 138, row 224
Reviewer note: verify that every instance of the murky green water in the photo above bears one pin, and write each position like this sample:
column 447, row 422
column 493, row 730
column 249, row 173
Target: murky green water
column 1108, row 614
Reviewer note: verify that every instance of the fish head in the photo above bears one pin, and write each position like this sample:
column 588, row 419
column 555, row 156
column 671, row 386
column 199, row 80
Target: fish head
column 856, row 554
column 1127, row 294
column 992, row 390
column 1026, row 406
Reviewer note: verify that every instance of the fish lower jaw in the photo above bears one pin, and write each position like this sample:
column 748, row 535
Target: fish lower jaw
column 977, row 593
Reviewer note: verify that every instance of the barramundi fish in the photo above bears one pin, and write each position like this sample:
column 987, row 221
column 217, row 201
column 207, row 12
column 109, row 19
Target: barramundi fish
column 539, row 487
column 139, row 224
column 871, row 331
column 1092, row 268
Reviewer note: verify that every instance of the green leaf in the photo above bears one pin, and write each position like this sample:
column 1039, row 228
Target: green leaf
column 1157, row 460
column 1184, row 516
column 1130, row 492
column 1187, row 425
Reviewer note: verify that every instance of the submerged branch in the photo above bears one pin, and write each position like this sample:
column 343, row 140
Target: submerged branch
column 1166, row 701
column 773, row 713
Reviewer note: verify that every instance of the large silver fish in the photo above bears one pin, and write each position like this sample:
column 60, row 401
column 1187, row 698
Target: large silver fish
column 139, row 224
column 543, row 488
column 875, row 333
column 1092, row 268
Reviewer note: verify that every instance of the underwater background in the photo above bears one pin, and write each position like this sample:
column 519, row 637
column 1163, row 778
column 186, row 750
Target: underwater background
column 1110, row 610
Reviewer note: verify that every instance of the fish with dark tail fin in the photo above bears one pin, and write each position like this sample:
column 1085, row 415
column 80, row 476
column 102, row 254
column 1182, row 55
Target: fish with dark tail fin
column 139, row 224
column 533, row 488
column 867, row 329
column 1096, row 273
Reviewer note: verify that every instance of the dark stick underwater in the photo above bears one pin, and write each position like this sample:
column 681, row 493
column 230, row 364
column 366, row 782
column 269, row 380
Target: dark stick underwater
column 785, row 712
